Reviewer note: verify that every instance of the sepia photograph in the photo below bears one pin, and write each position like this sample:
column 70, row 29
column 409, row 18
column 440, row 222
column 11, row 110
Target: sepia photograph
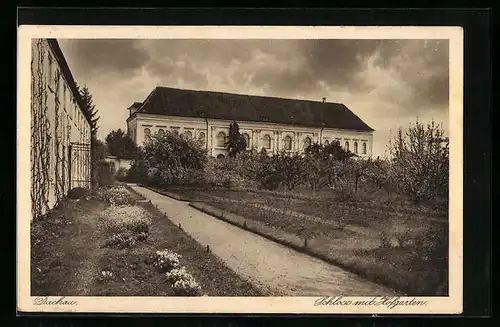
column 240, row 170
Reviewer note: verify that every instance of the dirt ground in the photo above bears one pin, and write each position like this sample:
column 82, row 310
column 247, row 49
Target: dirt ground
column 67, row 257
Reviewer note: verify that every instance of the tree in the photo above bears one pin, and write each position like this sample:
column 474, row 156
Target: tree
column 323, row 163
column 236, row 142
column 172, row 159
column 120, row 145
column 419, row 164
column 292, row 168
column 89, row 110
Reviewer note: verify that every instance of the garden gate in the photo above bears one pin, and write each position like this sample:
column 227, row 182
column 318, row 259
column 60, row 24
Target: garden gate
column 79, row 170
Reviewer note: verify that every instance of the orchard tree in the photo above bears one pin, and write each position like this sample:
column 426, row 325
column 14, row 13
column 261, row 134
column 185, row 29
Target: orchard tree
column 325, row 164
column 236, row 142
column 291, row 167
column 420, row 161
column 120, row 145
column 171, row 158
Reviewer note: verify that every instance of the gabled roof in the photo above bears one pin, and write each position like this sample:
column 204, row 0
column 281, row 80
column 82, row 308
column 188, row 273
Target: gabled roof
column 239, row 107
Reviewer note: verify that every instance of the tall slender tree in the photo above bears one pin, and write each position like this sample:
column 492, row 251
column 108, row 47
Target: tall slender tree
column 236, row 142
column 90, row 112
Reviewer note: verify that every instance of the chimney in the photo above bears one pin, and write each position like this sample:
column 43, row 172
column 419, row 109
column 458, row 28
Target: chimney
column 324, row 100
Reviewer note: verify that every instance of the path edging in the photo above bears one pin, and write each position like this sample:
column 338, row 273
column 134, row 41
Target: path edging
column 169, row 194
column 381, row 279
column 212, row 211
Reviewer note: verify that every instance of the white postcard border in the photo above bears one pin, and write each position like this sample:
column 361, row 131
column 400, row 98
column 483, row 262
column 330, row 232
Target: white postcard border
column 451, row 304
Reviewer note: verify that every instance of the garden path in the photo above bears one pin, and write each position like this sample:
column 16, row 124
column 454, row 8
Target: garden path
column 276, row 269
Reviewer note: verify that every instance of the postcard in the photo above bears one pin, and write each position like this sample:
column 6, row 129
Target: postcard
column 240, row 169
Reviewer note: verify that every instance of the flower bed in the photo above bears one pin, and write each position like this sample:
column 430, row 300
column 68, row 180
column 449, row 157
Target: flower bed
column 115, row 195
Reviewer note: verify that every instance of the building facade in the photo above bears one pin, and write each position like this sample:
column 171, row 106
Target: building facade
column 274, row 124
column 60, row 132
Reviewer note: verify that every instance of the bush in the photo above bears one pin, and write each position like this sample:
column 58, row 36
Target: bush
column 77, row 193
column 166, row 260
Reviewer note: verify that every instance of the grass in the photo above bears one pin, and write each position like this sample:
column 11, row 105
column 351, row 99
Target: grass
column 68, row 254
column 394, row 244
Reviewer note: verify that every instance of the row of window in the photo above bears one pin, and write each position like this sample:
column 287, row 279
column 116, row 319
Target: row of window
column 221, row 140
column 187, row 134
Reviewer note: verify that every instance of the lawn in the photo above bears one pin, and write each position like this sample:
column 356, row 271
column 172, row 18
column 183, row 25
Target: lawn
column 69, row 256
column 400, row 244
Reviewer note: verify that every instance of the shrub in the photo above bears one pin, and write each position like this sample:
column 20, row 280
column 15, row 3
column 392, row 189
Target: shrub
column 166, row 260
column 77, row 193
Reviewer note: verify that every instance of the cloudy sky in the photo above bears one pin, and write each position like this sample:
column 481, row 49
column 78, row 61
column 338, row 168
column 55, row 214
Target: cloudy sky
column 387, row 83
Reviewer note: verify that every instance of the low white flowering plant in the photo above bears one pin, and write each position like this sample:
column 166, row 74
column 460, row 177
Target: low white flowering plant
column 105, row 275
column 183, row 282
column 166, row 260
column 116, row 195
column 186, row 287
column 126, row 218
column 120, row 241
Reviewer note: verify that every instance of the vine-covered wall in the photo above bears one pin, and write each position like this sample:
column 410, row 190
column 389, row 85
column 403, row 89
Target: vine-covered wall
column 57, row 124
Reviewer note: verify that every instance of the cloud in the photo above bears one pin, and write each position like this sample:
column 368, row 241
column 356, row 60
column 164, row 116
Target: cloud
column 387, row 83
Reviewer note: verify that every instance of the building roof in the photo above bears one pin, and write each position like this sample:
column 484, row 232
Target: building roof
column 135, row 105
column 239, row 107
column 63, row 65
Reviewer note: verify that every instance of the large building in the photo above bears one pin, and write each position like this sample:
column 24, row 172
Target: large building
column 60, row 132
column 274, row 124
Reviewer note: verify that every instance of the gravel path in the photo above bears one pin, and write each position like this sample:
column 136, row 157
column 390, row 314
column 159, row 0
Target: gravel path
column 274, row 268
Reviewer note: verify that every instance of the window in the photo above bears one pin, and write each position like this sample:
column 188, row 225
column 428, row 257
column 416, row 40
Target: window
column 364, row 148
column 355, row 147
column 175, row 129
column 221, row 139
column 147, row 134
column 188, row 135
column 201, row 138
column 347, row 145
column 161, row 132
column 267, row 141
column 287, row 143
column 247, row 140
column 307, row 142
